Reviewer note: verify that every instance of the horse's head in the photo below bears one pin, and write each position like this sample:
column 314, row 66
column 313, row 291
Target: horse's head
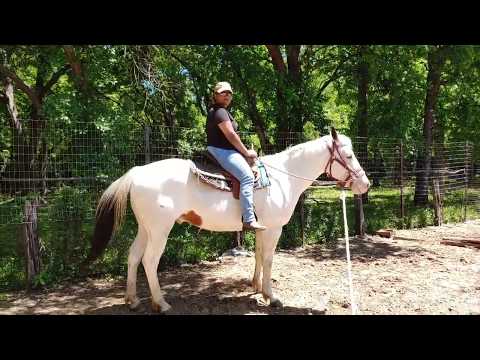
column 343, row 165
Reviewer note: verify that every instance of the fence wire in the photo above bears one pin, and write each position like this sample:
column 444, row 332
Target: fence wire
column 68, row 166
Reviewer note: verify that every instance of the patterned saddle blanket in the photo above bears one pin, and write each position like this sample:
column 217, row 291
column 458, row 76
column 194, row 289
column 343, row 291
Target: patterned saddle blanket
column 210, row 172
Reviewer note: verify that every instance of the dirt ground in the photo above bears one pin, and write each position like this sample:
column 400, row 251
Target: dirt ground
column 390, row 276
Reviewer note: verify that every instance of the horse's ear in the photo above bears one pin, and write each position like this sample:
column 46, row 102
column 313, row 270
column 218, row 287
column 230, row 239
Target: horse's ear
column 334, row 133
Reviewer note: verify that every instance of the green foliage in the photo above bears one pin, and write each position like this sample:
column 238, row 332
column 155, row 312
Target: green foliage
column 97, row 133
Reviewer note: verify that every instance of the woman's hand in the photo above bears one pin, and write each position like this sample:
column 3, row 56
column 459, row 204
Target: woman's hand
column 252, row 154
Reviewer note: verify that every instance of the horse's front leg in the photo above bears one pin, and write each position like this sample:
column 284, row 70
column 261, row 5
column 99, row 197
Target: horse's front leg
column 257, row 281
column 268, row 240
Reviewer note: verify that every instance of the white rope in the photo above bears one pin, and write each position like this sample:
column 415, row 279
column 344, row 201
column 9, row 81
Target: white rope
column 347, row 246
column 290, row 174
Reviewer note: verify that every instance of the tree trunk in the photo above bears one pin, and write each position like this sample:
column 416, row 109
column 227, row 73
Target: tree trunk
column 362, row 98
column 362, row 116
column 439, row 162
column 77, row 68
column 436, row 60
column 289, row 109
column 281, row 71
column 26, row 144
column 295, row 81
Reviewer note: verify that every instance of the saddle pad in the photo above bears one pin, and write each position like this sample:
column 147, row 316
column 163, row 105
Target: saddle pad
column 222, row 180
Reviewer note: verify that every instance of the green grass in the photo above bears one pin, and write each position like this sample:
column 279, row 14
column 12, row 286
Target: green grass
column 66, row 226
column 381, row 211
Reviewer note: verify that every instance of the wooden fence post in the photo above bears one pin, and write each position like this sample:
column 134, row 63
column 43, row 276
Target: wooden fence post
column 465, row 194
column 31, row 241
column 238, row 239
column 402, row 203
column 437, row 203
column 302, row 217
column 359, row 216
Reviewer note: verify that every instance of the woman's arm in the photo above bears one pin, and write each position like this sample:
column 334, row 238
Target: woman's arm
column 232, row 136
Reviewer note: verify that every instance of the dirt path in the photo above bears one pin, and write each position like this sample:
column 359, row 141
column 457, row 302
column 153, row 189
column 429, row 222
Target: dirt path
column 390, row 277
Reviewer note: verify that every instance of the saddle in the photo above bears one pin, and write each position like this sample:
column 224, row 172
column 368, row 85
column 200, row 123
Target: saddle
column 209, row 171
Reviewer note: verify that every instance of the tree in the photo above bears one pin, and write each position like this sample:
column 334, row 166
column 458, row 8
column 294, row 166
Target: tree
column 27, row 155
column 436, row 60
column 362, row 116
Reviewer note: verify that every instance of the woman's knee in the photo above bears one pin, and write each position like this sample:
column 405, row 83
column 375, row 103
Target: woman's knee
column 247, row 178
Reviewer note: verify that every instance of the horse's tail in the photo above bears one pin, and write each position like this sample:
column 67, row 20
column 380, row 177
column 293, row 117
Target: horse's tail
column 109, row 216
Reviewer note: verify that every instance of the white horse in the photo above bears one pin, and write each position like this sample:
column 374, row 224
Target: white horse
column 166, row 191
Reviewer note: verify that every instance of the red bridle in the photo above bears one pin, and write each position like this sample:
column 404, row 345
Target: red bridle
column 352, row 174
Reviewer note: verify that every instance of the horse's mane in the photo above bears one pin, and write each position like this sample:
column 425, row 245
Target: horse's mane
column 294, row 150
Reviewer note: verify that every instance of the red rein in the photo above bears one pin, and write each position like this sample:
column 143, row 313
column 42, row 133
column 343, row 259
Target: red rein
column 346, row 183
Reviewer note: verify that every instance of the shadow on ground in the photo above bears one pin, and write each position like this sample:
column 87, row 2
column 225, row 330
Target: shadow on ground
column 362, row 250
column 189, row 291
column 193, row 294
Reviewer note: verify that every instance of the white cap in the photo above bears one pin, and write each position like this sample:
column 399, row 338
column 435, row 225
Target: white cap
column 223, row 86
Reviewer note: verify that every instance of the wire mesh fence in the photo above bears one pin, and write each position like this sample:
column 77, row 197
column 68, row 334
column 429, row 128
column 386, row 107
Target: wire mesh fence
column 52, row 175
column 67, row 167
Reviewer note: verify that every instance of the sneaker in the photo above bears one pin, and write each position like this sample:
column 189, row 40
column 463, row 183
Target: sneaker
column 253, row 226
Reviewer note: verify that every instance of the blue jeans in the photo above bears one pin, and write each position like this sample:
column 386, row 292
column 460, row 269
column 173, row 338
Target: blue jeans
column 235, row 164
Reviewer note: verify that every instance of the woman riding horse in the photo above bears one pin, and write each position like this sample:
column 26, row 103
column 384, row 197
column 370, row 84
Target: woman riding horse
column 227, row 148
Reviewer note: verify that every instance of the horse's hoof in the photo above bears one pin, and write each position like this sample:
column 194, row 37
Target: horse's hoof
column 157, row 308
column 133, row 305
column 169, row 311
column 276, row 303
column 166, row 309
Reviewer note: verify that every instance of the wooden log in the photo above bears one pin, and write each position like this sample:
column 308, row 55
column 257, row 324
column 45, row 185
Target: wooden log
column 467, row 239
column 386, row 233
column 396, row 237
column 460, row 243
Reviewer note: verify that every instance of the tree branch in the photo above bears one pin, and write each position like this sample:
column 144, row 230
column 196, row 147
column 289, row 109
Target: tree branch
column 332, row 77
column 98, row 92
column 48, row 86
column 194, row 75
column 181, row 61
column 20, row 84
column 11, row 106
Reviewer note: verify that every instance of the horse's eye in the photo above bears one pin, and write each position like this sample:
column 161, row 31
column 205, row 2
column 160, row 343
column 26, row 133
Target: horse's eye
column 349, row 156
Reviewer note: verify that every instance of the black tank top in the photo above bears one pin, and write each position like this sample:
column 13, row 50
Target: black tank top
column 215, row 136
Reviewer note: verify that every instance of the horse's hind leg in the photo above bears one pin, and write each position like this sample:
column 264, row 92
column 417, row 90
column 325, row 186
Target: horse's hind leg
column 157, row 239
column 134, row 257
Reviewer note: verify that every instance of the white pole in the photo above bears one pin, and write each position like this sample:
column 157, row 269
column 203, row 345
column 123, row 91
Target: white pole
column 347, row 246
